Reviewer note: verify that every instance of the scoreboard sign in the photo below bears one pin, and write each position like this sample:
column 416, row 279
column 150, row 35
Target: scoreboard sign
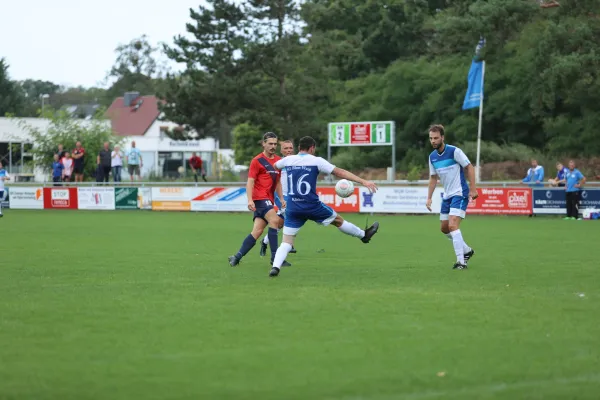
column 361, row 133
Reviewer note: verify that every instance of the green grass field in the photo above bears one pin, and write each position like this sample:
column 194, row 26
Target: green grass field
column 143, row 305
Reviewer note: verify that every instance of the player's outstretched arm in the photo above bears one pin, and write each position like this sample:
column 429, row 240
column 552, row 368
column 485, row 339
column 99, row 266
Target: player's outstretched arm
column 342, row 173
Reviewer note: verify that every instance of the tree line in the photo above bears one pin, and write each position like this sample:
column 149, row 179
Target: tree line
column 291, row 67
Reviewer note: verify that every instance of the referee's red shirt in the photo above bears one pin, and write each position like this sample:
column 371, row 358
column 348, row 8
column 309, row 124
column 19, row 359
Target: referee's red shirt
column 265, row 180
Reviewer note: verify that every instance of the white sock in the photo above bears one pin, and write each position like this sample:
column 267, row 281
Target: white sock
column 281, row 254
column 457, row 242
column 466, row 248
column 266, row 239
column 350, row 229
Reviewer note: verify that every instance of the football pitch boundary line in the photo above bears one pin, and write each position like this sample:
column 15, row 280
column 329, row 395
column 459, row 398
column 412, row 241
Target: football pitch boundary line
column 491, row 388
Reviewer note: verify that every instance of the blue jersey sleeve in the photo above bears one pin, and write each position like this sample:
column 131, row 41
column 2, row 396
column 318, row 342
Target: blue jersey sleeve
column 539, row 176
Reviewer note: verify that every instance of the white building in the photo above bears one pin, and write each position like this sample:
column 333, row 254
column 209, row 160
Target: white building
column 133, row 117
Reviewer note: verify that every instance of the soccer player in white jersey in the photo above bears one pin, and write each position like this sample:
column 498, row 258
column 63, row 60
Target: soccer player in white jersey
column 303, row 204
column 3, row 177
column 450, row 163
column 287, row 149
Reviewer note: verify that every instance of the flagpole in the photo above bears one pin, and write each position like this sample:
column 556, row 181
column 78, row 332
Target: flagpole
column 477, row 167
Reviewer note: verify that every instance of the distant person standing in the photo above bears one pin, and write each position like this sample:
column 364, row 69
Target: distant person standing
column 104, row 162
column 57, row 171
column 116, row 164
column 67, row 163
column 78, row 155
column 196, row 166
column 574, row 180
column 61, row 152
column 134, row 162
column 3, row 177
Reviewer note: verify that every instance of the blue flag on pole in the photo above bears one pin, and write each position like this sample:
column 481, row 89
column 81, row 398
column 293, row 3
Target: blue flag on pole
column 475, row 80
column 475, row 86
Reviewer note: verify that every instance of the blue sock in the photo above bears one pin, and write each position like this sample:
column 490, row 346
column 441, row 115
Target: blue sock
column 272, row 242
column 247, row 245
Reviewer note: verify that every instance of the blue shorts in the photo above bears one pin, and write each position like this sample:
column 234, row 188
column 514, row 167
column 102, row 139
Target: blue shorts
column 455, row 205
column 295, row 219
column 262, row 208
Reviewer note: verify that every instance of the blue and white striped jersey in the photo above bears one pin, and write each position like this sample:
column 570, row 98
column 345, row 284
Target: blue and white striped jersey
column 448, row 165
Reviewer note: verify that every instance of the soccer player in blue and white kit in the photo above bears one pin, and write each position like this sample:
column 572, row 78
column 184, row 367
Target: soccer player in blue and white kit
column 449, row 163
column 3, row 177
column 303, row 204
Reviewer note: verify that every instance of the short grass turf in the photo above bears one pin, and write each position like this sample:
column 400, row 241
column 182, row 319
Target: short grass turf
column 143, row 305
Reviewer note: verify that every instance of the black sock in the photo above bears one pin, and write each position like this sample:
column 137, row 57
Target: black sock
column 247, row 245
column 204, row 177
column 272, row 234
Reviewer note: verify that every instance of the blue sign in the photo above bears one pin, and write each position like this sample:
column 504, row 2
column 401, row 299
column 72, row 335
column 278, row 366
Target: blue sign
column 233, row 195
column 554, row 201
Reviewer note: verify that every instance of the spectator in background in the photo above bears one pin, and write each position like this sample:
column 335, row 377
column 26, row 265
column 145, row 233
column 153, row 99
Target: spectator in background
column 3, row 178
column 104, row 161
column 574, row 180
column 535, row 175
column 60, row 152
column 67, row 163
column 134, row 162
column 560, row 175
column 57, row 171
column 78, row 155
column 116, row 164
column 196, row 166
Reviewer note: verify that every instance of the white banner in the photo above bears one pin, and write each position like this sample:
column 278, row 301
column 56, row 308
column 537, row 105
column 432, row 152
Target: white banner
column 219, row 199
column 145, row 198
column 96, row 198
column 171, row 194
column 26, row 198
column 408, row 200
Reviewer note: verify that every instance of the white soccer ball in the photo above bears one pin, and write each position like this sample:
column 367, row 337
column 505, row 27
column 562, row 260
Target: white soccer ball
column 344, row 188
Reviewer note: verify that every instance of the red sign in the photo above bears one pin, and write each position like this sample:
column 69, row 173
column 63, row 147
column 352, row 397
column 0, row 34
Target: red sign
column 360, row 133
column 60, row 198
column 349, row 204
column 502, row 201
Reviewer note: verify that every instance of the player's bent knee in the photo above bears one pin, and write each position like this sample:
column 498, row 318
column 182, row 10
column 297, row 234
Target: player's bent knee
column 338, row 221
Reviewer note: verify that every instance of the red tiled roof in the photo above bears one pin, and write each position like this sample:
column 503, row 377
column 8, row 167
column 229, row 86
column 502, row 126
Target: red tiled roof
column 127, row 121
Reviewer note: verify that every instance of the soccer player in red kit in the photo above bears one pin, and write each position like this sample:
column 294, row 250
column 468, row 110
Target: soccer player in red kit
column 196, row 166
column 263, row 181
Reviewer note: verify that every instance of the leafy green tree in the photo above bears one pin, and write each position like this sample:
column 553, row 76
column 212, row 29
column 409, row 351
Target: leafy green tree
column 11, row 96
column 246, row 143
column 137, row 68
column 206, row 95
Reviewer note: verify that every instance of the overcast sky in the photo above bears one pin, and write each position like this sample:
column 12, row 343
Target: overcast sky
column 72, row 42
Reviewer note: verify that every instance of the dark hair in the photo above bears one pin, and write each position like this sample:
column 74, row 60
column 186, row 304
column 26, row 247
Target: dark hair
column 269, row 135
column 306, row 143
column 437, row 128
